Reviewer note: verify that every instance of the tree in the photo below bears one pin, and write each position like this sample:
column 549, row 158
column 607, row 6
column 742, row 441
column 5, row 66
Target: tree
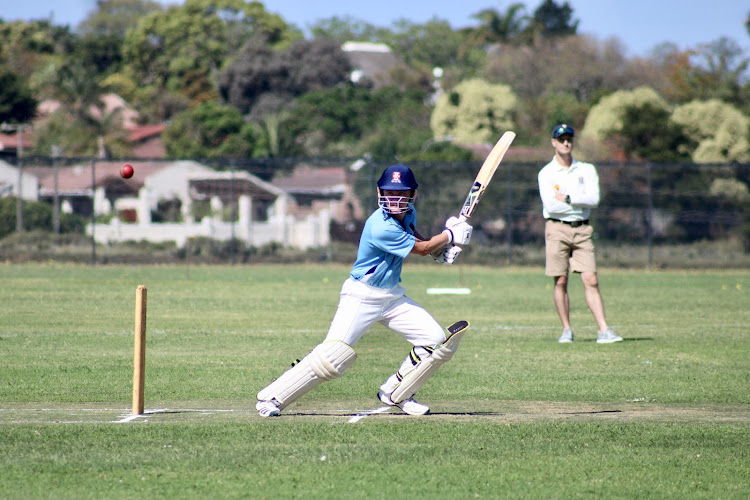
column 553, row 20
column 325, row 119
column 497, row 27
column 259, row 72
column 431, row 44
column 27, row 48
column 344, row 29
column 648, row 134
column 607, row 117
column 116, row 17
column 723, row 71
column 721, row 131
column 196, row 37
column 17, row 103
column 713, row 70
column 475, row 111
column 83, row 125
column 211, row 130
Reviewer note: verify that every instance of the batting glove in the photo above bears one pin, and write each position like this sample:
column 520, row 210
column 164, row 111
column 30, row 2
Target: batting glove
column 446, row 254
column 460, row 231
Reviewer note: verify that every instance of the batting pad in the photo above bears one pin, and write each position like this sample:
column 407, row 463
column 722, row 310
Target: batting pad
column 326, row 362
column 416, row 378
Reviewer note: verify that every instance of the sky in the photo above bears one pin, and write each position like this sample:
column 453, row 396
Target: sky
column 639, row 24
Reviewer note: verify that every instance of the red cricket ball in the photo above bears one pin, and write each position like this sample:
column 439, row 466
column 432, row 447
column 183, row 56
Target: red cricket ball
column 127, row 171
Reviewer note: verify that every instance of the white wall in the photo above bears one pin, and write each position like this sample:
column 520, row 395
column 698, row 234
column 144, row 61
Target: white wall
column 312, row 232
column 29, row 183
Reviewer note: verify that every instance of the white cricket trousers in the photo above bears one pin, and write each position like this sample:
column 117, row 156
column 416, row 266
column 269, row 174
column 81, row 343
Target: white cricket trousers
column 362, row 305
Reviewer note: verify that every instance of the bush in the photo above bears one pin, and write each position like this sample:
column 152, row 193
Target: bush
column 36, row 216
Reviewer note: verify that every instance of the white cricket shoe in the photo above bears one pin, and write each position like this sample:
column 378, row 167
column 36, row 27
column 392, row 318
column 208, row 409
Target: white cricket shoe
column 607, row 337
column 267, row 409
column 410, row 406
column 566, row 337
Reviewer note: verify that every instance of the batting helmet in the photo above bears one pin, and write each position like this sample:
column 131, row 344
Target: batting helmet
column 397, row 178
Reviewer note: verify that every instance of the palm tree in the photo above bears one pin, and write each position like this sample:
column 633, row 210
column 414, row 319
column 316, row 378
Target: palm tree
column 92, row 129
column 497, row 27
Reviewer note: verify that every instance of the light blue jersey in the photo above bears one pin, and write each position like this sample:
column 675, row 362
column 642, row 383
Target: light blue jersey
column 383, row 246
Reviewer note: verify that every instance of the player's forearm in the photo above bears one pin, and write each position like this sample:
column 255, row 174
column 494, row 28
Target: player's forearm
column 586, row 200
column 425, row 247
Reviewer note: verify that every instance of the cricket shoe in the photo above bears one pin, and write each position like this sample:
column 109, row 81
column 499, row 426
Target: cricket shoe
column 410, row 406
column 607, row 337
column 267, row 409
column 566, row 337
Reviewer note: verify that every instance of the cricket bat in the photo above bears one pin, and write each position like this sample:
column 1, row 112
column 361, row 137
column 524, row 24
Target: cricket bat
column 485, row 174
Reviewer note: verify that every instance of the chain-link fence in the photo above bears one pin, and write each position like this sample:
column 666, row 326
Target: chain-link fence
column 649, row 214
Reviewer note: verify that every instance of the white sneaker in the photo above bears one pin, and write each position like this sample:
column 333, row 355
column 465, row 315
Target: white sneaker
column 410, row 406
column 566, row 337
column 267, row 409
column 607, row 337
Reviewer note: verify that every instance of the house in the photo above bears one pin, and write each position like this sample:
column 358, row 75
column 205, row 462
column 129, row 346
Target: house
column 14, row 181
column 372, row 62
column 325, row 188
column 146, row 141
column 216, row 205
column 10, row 142
column 179, row 200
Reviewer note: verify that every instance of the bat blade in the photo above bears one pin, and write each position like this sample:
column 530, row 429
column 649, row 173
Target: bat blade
column 485, row 174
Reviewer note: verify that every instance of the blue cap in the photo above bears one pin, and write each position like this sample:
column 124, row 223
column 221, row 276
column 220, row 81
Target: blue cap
column 397, row 178
column 562, row 129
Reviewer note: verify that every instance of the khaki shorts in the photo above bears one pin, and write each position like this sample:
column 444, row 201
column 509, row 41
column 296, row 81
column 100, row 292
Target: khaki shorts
column 568, row 249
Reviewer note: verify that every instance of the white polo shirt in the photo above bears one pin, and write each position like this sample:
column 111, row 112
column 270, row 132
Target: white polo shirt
column 580, row 181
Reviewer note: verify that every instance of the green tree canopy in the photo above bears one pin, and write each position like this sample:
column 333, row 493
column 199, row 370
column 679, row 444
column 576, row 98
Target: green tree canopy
column 649, row 134
column 474, row 111
column 259, row 72
column 344, row 29
column 720, row 130
column 17, row 103
column 116, row 17
column 196, row 38
column 211, row 130
column 607, row 116
column 552, row 20
column 497, row 27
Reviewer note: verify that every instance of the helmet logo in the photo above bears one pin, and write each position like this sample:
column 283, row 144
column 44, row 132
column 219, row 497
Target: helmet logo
column 396, row 177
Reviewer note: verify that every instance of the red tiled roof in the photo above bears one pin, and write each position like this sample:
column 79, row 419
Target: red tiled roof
column 145, row 131
column 10, row 141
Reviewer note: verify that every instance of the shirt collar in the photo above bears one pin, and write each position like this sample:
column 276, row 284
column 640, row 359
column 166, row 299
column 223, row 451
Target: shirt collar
column 560, row 166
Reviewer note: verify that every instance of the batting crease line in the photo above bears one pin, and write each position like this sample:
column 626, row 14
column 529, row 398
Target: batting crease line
column 357, row 418
column 147, row 413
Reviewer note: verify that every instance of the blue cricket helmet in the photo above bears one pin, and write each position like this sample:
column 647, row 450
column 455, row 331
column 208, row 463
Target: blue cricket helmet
column 397, row 178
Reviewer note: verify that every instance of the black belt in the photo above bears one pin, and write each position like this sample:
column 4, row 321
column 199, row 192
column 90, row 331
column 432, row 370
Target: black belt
column 572, row 223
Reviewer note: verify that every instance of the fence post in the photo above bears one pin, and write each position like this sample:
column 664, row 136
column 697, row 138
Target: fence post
column 93, row 212
column 509, row 225
column 19, row 199
column 650, row 217
column 56, row 207
column 233, row 212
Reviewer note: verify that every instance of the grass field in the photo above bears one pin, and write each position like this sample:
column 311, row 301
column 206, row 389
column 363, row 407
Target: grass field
column 664, row 414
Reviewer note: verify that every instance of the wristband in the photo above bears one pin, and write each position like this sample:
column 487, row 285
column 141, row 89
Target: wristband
column 450, row 235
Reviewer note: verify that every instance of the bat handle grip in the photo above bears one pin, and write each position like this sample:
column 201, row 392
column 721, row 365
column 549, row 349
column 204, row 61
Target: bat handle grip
column 462, row 218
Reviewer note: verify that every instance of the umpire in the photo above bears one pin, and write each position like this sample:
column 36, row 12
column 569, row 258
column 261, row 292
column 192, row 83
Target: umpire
column 569, row 190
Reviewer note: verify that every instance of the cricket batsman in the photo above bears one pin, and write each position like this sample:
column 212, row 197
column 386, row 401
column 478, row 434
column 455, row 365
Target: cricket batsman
column 373, row 294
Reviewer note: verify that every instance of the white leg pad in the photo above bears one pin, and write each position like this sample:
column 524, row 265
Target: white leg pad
column 326, row 362
column 416, row 378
